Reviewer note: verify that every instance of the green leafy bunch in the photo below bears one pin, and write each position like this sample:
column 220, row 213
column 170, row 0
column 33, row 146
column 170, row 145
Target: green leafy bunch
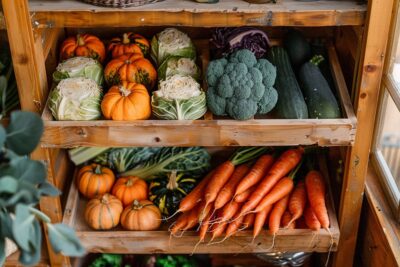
column 22, row 184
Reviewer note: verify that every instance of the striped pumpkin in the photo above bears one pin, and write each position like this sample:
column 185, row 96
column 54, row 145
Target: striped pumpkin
column 94, row 180
column 167, row 191
column 103, row 212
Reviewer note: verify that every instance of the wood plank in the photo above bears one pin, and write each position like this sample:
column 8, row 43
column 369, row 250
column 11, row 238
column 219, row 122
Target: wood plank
column 50, row 39
column 148, row 242
column 69, row 13
column 371, row 65
column 2, row 22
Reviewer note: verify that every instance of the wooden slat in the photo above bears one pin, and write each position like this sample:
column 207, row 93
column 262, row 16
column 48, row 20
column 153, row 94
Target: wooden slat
column 371, row 65
column 50, row 38
column 2, row 22
column 69, row 13
column 148, row 242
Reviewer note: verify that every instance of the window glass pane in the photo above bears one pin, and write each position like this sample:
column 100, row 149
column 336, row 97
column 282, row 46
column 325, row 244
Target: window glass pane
column 389, row 141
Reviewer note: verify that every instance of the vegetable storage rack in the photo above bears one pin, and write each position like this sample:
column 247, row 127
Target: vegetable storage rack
column 358, row 34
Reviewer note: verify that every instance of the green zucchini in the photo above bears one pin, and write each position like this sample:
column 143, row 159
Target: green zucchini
column 297, row 47
column 291, row 104
column 320, row 100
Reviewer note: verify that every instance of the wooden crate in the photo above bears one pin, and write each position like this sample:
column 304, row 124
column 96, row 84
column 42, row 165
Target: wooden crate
column 147, row 242
column 210, row 131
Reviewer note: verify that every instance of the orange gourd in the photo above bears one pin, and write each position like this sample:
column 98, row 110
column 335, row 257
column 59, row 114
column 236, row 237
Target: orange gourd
column 95, row 180
column 127, row 44
column 126, row 102
column 103, row 212
column 130, row 188
column 83, row 45
column 132, row 68
column 141, row 216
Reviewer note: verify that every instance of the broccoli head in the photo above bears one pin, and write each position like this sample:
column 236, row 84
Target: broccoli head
column 268, row 72
column 237, row 86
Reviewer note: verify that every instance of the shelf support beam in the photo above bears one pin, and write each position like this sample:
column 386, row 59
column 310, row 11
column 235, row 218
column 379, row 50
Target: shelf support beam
column 30, row 71
column 371, row 65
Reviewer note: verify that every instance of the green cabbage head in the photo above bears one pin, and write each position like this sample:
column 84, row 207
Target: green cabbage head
column 171, row 42
column 178, row 65
column 179, row 98
column 76, row 99
column 79, row 67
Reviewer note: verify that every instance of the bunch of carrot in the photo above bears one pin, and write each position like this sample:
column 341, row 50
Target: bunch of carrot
column 236, row 196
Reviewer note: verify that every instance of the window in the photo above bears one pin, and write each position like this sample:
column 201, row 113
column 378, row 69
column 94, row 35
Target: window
column 386, row 148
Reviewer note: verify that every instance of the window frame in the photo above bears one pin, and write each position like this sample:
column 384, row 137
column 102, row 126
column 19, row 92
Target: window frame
column 388, row 88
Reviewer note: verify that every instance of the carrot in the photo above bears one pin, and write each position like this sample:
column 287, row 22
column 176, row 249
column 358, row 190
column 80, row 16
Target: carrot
column 276, row 214
column 255, row 174
column 229, row 211
column 203, row 211
column 218, row 180
column 259, row 221
column 204, row 227
column 311, row 220
column 297, row 202
column 193, row 217
column 180, row 223
column 284, row 164
column 226, row 193
column 226, row 169
column 195, row 196
column 245, row 195
column 218, row 230
column 279, row 191
column 287, row 221
column 315, row 186
column 248, row 220
column 234, row 225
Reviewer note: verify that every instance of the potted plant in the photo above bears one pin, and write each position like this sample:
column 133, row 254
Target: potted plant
column 22, row 184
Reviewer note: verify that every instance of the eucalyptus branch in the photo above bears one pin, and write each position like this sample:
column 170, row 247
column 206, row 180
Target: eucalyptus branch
column 40, row 215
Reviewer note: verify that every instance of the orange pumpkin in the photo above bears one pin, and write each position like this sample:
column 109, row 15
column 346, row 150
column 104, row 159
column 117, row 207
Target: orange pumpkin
column 129, row 188
column 132, row 68
column 95, row 180
column 103, row 212
column 141, row 216
column 83, row 45
column 129, row 43
column 125, row 102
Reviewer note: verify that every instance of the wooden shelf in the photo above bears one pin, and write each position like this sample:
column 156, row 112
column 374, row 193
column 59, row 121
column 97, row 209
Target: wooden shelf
column 209, row 131
column 148, row 242
column 2, row 22
column 71, row 13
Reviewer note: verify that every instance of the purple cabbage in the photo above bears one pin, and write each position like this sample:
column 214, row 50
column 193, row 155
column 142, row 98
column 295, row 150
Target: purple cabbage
column 227, row 40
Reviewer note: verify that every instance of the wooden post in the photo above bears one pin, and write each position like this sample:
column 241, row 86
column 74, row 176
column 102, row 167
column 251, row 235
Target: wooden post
column 375, row 38
column 30, row 71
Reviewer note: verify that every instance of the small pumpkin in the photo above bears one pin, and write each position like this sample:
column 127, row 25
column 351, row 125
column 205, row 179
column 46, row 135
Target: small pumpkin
column 129, row 188
column 141, row 216
column 132, row 68
column 83, row 45
column 127, row 44
column 95, row 180
column 103, row 212
column 166, row 192
column 126, row 102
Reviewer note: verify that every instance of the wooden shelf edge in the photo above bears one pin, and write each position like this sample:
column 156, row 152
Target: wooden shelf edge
column 174, row 12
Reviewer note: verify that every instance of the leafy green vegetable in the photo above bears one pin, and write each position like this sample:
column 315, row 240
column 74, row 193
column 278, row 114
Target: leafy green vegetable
column 79, row 67
column 107, row 260
column 179, row 109
column 190, row 160
column 123, row 159
column 175, row 261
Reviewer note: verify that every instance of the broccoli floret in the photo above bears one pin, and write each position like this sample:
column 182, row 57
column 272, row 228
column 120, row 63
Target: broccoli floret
column 237, row 86
column 242, row 109
column 215, row 70
column 268, row 72
column 268, row 101
column 243, row 56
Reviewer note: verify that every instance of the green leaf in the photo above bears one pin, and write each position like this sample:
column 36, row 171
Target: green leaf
column 25, row 196
column 2, row 251
column 24, row 132
column 25, row 169
column 63, row 239
column 32, row 256
column 3, row 136
column 47, row 189
column 8, row 184
column 22, row 226
column 6, row 225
